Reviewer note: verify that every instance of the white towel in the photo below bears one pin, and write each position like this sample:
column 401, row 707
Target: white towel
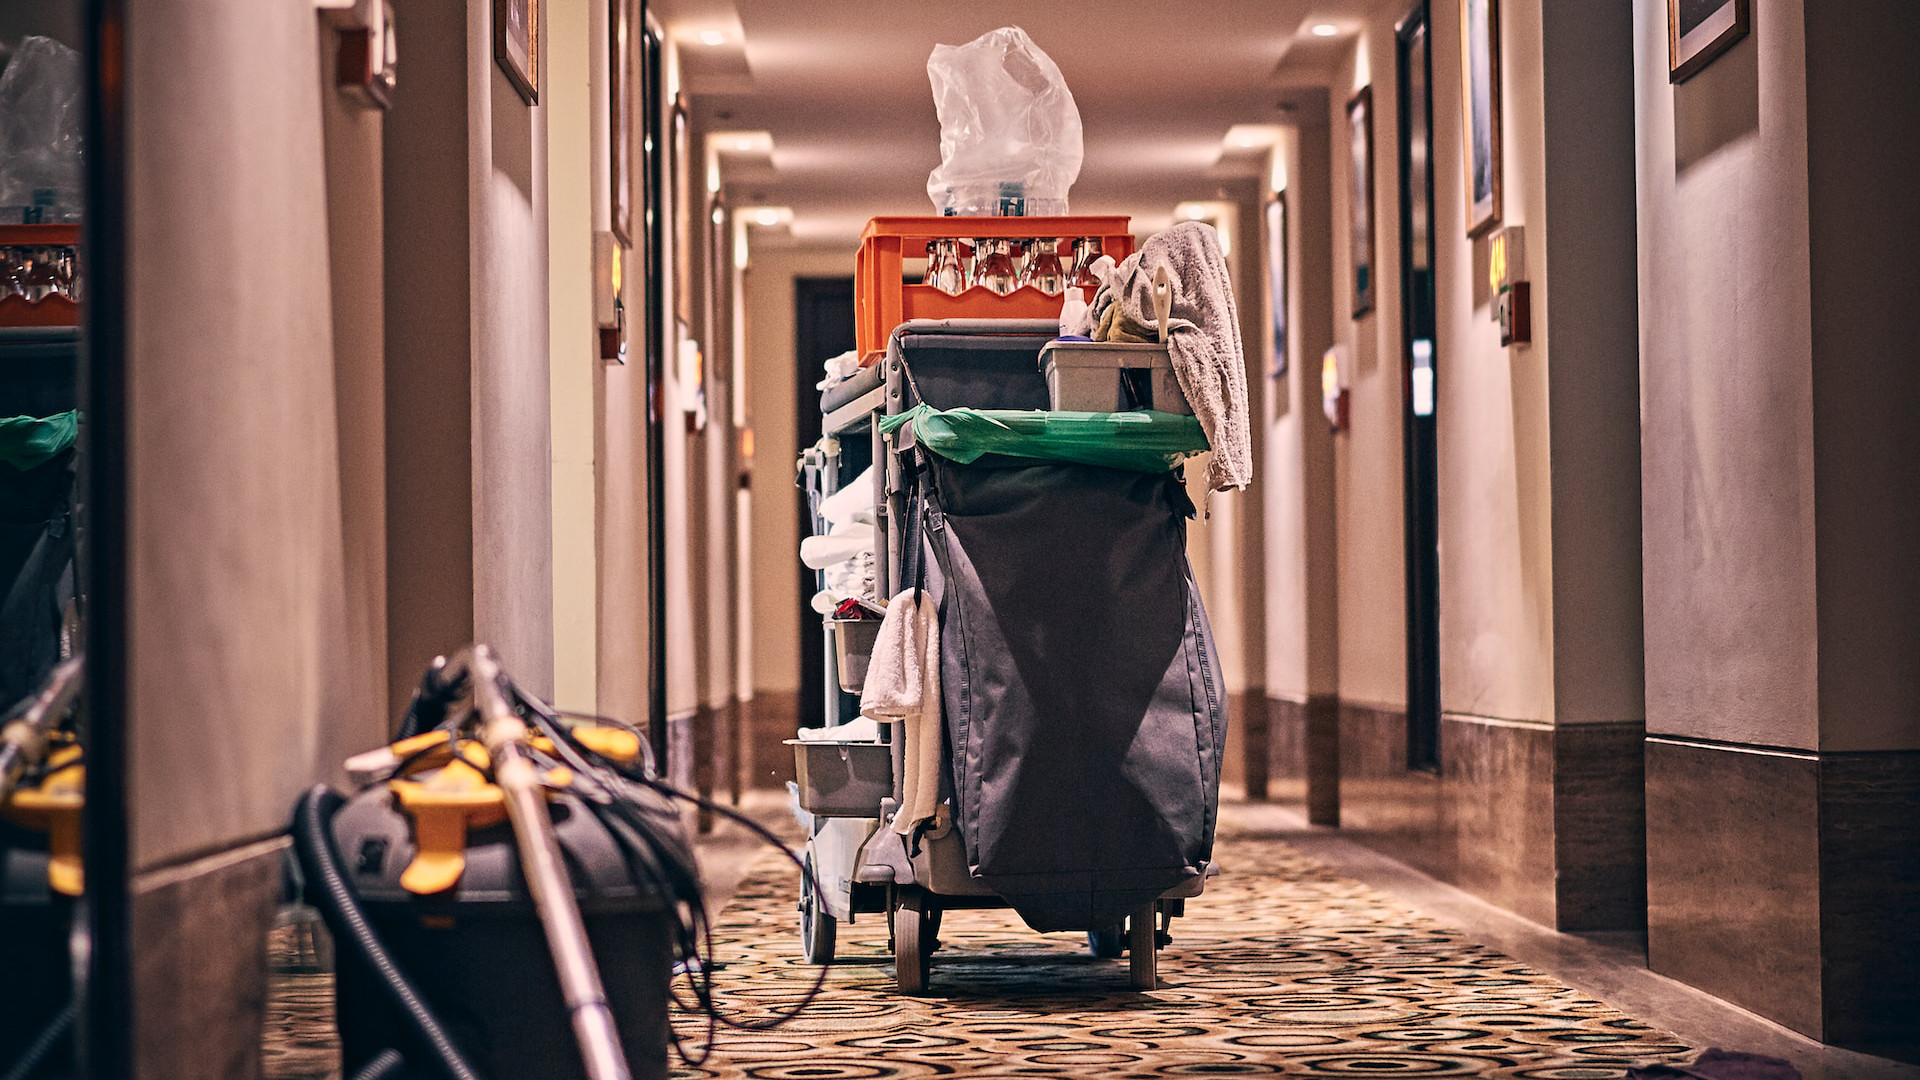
column 903, row 687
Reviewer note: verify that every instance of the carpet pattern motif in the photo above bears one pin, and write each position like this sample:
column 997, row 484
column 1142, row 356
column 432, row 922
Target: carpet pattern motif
column 1282, row 968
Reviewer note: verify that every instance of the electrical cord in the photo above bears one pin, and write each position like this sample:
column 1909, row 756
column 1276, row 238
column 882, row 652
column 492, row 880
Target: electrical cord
column 695, row 928
column 385, row 1065
column 44, row 1043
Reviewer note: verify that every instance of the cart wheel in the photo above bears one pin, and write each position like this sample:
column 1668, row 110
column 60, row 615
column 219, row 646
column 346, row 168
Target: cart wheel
column 818, row 929
column 1108, row 942
column 1140, row 947
column 912, row 934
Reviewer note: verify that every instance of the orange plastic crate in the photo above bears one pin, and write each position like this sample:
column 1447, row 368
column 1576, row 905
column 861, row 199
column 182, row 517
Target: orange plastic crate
column 54, row 310
column 882, row 301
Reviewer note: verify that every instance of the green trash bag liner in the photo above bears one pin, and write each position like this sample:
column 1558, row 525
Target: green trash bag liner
column 1149, row 442
column 28, row 442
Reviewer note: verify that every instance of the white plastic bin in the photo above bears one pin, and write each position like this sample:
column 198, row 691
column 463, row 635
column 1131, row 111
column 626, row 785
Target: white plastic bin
column 1107, row 376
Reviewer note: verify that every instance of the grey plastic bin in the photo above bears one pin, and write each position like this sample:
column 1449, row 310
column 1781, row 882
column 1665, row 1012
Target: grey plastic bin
column 837, row 779
column 1087, row 376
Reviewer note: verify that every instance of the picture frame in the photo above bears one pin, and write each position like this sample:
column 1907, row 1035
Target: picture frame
column 1276, row 229
column 620, row 68
column 516, row 45
column 1700, row 30
column 1360, row 198
column 1480, row 109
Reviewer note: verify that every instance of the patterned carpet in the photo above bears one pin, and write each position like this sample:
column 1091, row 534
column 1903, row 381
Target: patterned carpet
column 1282, row 968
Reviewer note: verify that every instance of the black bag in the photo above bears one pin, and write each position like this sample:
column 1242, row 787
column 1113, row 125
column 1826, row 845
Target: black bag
column 1083, row 699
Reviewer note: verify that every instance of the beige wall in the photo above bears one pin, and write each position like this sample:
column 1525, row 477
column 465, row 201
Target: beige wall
column 1300, row 596
column 237, row 599
column 1537, row 444
column 621, row 483
column 355, row 231
column 1725, row 337
column 512, row 471
column 1496, row 558
column 470, row 539
column 576, row 207
column 1864, row 222
column 771, row 402
column 1777, row 364
column 1367, row 465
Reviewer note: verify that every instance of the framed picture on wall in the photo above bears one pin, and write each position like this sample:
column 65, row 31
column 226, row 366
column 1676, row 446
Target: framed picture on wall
column 620, row 116
column 516, row 45
column 1276, row 225
column 1699, row 30
column 1480, row 107
column 1360, row 197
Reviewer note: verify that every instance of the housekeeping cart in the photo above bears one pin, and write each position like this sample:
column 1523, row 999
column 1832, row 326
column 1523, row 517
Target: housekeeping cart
column 1081, row 704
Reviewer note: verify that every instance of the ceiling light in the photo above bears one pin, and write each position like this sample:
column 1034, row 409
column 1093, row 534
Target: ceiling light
column 743, row 144
column 1325, row 29
column 715, row 37
column 768, row 217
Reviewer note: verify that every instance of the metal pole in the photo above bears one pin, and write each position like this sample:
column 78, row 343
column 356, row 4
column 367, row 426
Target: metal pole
column 504, row 734
column 24, row 739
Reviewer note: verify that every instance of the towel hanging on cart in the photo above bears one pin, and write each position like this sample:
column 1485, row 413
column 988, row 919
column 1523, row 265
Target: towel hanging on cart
column 1203, row 336
column 903, row 687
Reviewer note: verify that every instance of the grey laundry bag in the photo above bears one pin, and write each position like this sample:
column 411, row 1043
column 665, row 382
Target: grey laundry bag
column 1083, row 698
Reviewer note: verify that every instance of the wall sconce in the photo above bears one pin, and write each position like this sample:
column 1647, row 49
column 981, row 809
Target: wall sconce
column 609, row 306
column 691, row 375
column 1512, row 294
column 1333, row 388
column 366, row 66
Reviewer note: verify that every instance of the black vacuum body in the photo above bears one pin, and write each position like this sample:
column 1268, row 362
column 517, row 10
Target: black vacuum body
column 35, row 941
column 477, row 953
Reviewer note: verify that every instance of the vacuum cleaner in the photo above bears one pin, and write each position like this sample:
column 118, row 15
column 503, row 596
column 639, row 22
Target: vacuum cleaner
column 511, row 892
column 42, row 792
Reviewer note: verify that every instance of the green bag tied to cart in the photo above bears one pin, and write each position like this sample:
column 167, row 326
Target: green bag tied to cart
column 1148, row 442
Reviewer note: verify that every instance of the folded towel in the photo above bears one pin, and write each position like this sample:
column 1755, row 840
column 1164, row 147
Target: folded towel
column 903, row 687
column 843, row 543
column 851, row 505
column 1203, row 336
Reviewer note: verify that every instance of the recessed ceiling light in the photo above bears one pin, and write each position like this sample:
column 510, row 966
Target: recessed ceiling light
column 715, row 37
column 744, row 144
column 1325, row 29
column 769, row 216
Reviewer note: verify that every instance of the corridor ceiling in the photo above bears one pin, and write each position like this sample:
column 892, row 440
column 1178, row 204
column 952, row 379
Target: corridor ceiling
column 842, row 87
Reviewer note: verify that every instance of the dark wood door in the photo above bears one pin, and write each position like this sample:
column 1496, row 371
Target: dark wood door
column 1418, row 390
column 823, row 328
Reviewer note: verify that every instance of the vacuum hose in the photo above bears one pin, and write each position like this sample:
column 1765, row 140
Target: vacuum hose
column 349, row 924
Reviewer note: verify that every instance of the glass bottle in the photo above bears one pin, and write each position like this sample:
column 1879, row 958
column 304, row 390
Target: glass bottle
column 12, row 265
column 943, row 267
column 1086, row 251
column 37, row 280
column 1043, row 270
column 995, row 270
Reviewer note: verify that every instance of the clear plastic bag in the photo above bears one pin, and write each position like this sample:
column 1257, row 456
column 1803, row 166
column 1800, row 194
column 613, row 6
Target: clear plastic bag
column 40, row 118
column 1010, row 141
